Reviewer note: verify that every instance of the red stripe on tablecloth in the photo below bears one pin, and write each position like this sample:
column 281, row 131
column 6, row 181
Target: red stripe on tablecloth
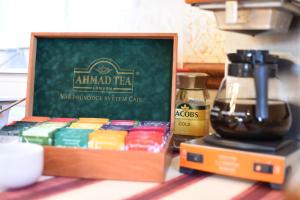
column 259, row 191
column 174, row 154
column 274, row 195
column 16, row 193
column 45, row 188
column 168, row 187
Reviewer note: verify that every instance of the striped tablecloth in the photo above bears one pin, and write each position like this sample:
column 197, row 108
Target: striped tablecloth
column 177, row 186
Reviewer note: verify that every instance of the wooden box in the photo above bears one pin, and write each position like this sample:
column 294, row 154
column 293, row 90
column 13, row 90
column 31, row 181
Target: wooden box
column 110, row 75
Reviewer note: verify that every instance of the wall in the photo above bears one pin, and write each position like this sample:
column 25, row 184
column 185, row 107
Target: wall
column 199, row 38
column 12, row 85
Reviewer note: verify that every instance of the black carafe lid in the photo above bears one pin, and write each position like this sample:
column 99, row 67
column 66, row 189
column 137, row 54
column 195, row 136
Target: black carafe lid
column 246, row 56
column 242, row 62
column 260, row 65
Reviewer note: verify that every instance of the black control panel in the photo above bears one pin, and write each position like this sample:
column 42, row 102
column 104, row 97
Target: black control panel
column 263, row 168
column 194, row 157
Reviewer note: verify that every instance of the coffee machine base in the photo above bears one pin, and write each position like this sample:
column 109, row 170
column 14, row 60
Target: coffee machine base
column 260, row 161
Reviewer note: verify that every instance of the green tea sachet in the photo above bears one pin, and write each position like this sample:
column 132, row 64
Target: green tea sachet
column 42, row 133
column 72, row 137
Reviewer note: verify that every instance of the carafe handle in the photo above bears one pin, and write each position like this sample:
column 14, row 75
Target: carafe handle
column 261, row 74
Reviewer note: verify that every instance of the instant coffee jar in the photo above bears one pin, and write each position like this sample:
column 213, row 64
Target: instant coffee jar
column 192, row 108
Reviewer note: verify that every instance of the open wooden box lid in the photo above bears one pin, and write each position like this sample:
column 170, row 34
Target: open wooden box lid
column 116, row 76
column 109, row 75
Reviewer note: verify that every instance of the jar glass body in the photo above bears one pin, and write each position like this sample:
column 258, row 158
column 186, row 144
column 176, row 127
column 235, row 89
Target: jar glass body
column 191, row 115
column 233, row 113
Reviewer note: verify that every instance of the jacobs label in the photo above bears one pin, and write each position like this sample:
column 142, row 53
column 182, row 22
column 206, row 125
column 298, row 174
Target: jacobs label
column 191, row 120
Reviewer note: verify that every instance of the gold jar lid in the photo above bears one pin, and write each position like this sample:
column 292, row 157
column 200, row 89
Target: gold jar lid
column 191, row 80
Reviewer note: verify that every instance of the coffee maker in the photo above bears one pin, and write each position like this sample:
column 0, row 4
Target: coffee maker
column 237, row 149
column 250, row 117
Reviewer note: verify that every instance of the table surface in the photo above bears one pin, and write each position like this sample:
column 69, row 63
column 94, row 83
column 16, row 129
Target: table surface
column 176, row 186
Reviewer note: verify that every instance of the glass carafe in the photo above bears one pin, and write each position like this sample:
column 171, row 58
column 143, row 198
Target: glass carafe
column 250, row 103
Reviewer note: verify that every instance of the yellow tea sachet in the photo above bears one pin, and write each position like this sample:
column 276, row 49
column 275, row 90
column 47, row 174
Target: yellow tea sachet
column 85, row 125
column 93, row 120
column 53, row 125
column 108, row 141
column 62, row 119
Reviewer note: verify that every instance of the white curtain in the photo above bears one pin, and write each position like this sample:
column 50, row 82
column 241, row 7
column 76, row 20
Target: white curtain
column 18, row 18
column 199, row 39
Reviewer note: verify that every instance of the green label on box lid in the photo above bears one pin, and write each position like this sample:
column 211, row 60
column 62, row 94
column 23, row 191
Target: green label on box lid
column 117, row 78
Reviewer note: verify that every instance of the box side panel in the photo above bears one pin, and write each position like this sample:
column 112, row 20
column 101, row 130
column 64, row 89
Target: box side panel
column 173, row 91
column 31, row 73
column 104, row 35
column 101, row 164
column 168, row 154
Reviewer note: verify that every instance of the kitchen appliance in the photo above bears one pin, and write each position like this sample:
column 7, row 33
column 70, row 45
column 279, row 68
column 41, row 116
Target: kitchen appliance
column 266, row 162
column 251, row 16
column 251, row 102
column 250, row 116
